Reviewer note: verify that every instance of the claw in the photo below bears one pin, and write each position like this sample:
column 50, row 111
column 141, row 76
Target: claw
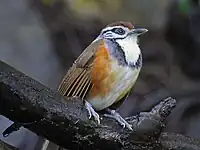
column 92, row 112
column 115, row 115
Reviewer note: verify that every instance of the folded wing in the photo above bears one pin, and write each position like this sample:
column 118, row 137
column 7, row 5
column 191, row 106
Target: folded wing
column 77, row 81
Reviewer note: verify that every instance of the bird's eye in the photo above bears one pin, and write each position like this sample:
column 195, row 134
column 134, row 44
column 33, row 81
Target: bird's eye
column 119, row 31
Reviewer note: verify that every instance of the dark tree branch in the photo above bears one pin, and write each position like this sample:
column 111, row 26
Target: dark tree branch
column 64, row 121
column 178, row 141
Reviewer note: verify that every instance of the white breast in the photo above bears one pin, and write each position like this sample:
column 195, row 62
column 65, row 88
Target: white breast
column 130, row 48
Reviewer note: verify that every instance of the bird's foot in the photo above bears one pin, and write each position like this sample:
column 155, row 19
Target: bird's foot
column 92, row 112
column 115, row 115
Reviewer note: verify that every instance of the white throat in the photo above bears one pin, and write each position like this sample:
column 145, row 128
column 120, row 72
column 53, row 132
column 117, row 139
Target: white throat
column 130, row 48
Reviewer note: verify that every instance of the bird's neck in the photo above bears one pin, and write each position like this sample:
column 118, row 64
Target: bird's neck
column 131, row 50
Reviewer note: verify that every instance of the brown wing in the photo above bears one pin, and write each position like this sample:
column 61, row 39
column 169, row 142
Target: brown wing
column 77, row 81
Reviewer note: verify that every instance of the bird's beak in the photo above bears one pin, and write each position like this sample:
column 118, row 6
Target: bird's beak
column 138, row 31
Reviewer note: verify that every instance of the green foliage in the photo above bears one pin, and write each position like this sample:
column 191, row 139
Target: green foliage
column 184, row 7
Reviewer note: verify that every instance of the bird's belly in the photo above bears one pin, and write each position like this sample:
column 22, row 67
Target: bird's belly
column 124, row 79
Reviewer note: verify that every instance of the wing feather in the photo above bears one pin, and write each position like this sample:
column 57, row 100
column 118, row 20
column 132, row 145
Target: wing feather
column 81, row 83
column 68, row 81
column 85, row 88
column 77, row 81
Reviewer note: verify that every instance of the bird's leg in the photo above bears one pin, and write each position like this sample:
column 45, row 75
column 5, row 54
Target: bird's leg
column 115, row 115
column 92, row 112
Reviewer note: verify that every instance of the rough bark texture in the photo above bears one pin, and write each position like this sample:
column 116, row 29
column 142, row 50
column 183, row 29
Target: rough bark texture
column 64, row 121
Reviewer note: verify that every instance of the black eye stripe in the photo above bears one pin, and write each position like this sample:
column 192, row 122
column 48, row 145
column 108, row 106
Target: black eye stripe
column 119, row 31
column 115, row 30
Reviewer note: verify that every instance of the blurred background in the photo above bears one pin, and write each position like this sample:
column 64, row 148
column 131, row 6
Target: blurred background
column 41, row 38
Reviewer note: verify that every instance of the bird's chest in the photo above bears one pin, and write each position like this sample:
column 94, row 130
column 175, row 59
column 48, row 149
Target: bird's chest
column 113, row 73
column 118, row 80
column 123, row 77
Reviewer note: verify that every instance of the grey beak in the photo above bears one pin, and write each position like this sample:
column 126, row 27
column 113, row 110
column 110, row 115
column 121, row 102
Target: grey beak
column 138, row 31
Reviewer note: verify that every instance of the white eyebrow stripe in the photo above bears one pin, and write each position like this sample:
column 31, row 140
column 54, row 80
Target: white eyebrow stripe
column 110, row 28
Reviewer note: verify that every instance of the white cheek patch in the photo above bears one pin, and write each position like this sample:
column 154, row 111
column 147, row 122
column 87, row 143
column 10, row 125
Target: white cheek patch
column 130, row 48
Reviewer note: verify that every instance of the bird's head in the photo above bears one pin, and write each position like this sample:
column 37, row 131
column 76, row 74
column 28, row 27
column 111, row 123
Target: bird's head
column 121, row 30
column 126, row 36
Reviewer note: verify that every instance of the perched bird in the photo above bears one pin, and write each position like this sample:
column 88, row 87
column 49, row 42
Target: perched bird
column 106, row 70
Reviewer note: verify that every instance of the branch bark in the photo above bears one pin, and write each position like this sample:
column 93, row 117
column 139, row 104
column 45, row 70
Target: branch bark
column 64, row 121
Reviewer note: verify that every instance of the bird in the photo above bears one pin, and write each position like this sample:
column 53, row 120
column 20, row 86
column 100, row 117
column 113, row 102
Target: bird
column 106, row 70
